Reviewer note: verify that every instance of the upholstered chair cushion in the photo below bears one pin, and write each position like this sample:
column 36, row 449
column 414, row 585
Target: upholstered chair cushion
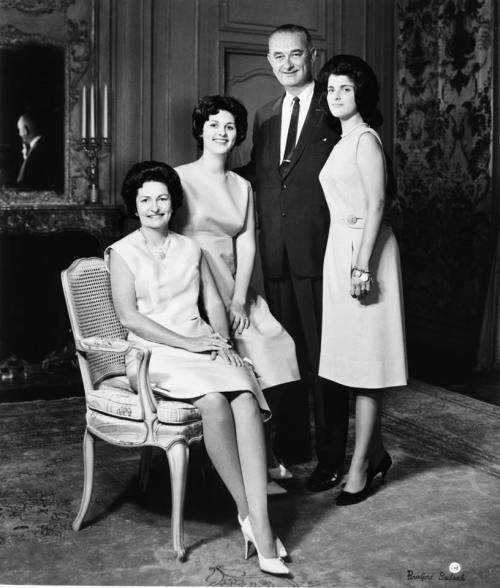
column 176, row 412
column 115, row 397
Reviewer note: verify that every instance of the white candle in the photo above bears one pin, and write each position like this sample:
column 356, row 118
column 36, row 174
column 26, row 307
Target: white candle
column 105, row 113
column 92, row 111
column 84, row 112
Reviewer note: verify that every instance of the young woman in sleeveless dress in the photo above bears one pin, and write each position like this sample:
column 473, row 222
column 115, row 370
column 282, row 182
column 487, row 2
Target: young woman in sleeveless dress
column 164, row 294
column 218, row 213
column 363, row 340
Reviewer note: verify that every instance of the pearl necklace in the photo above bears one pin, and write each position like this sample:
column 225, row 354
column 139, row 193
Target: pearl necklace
column 158, row 251
column 362, row 124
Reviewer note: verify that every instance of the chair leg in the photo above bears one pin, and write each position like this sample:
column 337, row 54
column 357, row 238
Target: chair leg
column 144, row 469
column 178, row 458
column 88, row 478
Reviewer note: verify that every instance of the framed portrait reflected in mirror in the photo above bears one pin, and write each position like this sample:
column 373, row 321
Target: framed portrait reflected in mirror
column 32, row 117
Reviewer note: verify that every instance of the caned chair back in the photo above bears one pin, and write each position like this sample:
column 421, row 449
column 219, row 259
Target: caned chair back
column 87, row 290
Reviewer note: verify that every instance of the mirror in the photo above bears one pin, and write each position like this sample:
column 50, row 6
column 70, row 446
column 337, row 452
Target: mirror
column 32, row 117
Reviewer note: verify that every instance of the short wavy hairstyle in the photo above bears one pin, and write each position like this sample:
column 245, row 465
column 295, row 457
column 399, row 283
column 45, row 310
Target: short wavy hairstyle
column 150, row 171
column 366, row 86
column 212, row 105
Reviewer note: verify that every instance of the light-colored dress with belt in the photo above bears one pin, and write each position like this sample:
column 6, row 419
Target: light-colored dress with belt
column 167, row 291
column 363, row 342
column 215, row 210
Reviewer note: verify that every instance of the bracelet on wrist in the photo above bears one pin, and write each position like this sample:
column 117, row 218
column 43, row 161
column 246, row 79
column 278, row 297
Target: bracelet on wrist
column 361, row 274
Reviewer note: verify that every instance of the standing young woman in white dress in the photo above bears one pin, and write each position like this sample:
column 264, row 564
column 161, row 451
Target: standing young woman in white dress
column 165, row 296
column 218, row 213
column 363, row 339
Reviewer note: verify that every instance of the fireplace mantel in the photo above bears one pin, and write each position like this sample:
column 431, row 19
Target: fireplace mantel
column 102, row 222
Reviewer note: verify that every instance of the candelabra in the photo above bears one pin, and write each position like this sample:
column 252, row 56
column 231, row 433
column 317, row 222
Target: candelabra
column 92, row 146
column 89, row 141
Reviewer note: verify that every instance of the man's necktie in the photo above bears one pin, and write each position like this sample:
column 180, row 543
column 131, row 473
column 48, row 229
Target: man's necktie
column 291, row 137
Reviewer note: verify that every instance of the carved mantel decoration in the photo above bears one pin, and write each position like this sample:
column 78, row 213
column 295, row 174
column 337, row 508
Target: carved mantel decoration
column 37, row 7
column 102, row 222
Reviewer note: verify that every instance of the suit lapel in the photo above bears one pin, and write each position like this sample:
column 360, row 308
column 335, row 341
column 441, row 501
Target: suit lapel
column 275, row 132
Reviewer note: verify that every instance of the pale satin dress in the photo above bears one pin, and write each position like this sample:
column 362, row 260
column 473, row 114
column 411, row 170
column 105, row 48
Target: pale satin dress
column 214, row 211
column 363, row 342
column 167, row 292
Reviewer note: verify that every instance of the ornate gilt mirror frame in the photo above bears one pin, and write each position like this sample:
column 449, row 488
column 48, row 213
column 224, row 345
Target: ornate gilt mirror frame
column 76, row 41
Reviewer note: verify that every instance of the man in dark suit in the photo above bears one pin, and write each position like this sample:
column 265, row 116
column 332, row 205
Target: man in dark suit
column 291, row 142
column 43, row 166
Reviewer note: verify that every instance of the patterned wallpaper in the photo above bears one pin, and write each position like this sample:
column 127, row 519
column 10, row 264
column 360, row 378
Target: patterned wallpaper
column 443, row 155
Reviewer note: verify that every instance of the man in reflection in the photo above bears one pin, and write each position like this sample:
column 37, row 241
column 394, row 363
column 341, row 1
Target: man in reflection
column 42, row 167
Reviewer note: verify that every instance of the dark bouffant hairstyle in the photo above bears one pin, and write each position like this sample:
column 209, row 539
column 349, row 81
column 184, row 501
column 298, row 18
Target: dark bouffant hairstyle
column 212, row 105
column 367, row 89
column 293, row 28
column 150, row 171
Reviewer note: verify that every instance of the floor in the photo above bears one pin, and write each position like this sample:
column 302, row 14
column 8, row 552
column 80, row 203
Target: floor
column 461, row 378
column 435, row 522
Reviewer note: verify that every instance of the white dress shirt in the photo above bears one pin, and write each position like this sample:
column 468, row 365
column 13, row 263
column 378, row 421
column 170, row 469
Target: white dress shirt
column 305, row 98
column 34, row 141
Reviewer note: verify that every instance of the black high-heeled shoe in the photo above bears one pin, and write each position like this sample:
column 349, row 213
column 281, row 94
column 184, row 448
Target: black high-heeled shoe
column 348, row 498
column 382, row 468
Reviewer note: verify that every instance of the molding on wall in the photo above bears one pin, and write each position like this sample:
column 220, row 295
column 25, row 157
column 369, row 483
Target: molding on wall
column 230, row 22
column 228, row 47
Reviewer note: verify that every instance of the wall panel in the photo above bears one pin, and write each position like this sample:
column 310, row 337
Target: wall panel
column 247, row 76
column 131, row 88
column 262, row 16
column 175, row 78
column 168, row 53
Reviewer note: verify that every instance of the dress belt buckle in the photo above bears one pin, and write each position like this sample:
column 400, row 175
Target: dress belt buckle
column 351, row 219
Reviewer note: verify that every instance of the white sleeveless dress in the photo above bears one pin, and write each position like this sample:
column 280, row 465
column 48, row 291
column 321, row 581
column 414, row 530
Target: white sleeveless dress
column 214, row 212
column 167, row 292
column 363, row 342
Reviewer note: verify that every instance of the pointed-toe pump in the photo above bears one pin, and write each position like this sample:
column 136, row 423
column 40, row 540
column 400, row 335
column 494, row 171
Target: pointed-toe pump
column 274, row 489
column 280, row 472
column 348, row 498
column 280, row 548
column 270, row 565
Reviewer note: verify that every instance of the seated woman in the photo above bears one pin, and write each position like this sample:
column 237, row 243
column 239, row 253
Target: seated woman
column 165, row 296
column 219, row 214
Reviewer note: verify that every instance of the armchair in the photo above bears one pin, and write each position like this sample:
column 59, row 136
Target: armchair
column 115, row 412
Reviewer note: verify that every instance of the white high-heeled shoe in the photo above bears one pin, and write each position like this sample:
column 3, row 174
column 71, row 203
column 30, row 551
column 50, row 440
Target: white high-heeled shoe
column 274, row 489
column 280, row 472
column 246, row 529
column 270, row 565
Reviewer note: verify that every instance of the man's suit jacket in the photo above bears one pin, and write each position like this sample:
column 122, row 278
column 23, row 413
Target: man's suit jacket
column 43, row 169
column 293, row 215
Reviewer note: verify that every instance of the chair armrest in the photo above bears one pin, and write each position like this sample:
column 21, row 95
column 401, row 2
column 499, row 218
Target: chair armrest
column 102, row 344
column 143, row 355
